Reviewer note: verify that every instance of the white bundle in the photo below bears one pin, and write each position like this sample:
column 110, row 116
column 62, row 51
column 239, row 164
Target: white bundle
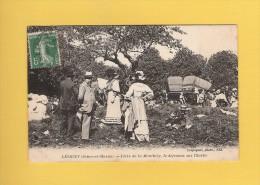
column 36, row 107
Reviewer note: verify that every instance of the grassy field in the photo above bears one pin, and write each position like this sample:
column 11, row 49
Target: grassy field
column 214, row 129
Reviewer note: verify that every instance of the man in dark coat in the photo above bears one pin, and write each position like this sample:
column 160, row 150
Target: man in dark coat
column 68, row 105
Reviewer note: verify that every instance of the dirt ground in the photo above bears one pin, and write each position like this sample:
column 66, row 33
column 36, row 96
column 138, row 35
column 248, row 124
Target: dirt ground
column 214, row 129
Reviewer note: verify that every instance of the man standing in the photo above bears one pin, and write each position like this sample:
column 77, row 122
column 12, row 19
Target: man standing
column 201, row 98
column 226, row 92
column 87, row 100
column 68, row 105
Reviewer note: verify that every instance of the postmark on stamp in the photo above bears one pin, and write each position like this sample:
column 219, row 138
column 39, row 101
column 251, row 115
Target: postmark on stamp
column 43, row 49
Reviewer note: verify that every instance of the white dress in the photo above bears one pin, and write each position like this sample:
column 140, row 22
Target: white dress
column 138, row 93
column 113, row 114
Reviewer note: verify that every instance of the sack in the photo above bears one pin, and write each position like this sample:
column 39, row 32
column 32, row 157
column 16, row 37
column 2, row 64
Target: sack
column 78, row 121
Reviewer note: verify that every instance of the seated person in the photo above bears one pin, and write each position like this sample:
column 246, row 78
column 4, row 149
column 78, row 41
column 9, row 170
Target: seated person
column 221, row 99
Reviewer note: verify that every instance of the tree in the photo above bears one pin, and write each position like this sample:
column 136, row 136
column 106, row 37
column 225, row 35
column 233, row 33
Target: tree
column 77, row 60
column 222, row 69
column 97, row 41
column 156, row 69
column 109, row 41
column 186, row 63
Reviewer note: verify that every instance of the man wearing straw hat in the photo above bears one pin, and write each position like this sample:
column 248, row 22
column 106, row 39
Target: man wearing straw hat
column 87, row 100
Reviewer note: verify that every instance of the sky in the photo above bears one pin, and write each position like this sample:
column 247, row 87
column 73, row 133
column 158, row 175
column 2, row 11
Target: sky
column 205, row 39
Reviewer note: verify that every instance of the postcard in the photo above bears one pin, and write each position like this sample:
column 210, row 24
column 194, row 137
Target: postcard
column 133, row 93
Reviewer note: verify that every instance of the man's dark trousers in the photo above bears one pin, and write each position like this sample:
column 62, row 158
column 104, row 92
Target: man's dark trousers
column 67, row 124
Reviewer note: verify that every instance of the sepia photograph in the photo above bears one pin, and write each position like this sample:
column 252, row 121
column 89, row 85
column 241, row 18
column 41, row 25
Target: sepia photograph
column 133, row 93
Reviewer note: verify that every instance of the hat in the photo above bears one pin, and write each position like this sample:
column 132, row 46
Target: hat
column 183, row 107
column 88, row 74
column 218, row 91
column 172, row 114
column 234, row 89
column 140, row 75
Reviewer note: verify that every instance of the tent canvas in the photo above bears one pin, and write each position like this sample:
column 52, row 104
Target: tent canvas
column 203, row 84
column 175, row 83
column 179, row 84
column 188, row 83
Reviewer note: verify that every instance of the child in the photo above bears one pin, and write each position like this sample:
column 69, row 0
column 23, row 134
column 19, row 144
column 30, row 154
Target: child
column 129, row 121
column 182, row 98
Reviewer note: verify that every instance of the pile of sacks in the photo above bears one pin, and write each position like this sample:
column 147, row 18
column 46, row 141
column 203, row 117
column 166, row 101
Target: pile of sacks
column 37, row 107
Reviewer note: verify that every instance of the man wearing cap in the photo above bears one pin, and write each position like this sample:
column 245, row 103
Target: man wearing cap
column 87, row 100
column 68, row 104
column 226, row 92
column 234, row 98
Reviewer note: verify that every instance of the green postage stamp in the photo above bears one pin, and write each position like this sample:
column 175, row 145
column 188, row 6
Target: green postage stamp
column 43, row 49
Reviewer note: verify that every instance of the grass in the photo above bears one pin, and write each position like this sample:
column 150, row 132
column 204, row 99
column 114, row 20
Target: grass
column 215, row 129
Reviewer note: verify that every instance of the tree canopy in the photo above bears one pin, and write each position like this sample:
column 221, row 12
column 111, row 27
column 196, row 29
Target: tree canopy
column 186, row 63
column 108, row 41
column 222, row 69
column 80, row 46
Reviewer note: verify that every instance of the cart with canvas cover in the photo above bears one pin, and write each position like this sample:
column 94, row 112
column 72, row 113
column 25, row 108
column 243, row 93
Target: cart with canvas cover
column 189, row 85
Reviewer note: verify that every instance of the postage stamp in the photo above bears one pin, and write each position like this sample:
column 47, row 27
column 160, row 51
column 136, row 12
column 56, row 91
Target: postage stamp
column 43, row 49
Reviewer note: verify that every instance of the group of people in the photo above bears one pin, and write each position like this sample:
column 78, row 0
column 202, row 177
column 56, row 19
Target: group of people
column 39, row 106
column 213, row 98
column 82, row 100
column 218, row 98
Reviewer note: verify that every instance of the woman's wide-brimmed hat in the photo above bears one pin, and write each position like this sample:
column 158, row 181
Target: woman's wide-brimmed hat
column 140, row 75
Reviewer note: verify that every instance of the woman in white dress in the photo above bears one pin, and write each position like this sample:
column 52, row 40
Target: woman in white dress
column 139, row 93
column 113, row 114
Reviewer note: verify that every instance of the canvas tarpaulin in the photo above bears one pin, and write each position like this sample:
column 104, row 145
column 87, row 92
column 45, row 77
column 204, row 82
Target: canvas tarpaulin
column 178, row 84
column 188, row 83
column 175, row 83
column 203, row 84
